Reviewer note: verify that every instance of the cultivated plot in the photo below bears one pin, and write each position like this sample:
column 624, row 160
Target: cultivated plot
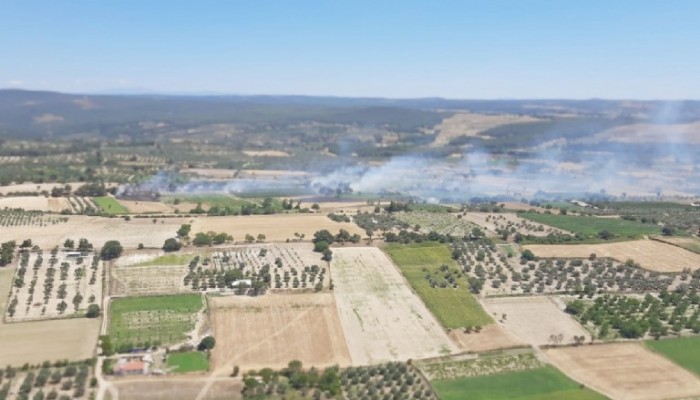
column 382, row 319
column 98, row 230
column 275, row 227
column 535, row 320
column 38, row 341
column 270, row 331
column 625, row 371
column 54, row 285
column 650, row 254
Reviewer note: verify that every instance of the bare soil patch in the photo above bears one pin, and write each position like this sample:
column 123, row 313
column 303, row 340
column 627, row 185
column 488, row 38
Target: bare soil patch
column 534, row 320
column 275, row 227
column 472, row 124
column 650, row 254
column 382, row 318
column 215, row 173
column 265, row 153
column 35, row 342
column 270, row 331
column 177, row 388
column 625, row 371
column 491, row 337
column 28, row 203
column 652, row 133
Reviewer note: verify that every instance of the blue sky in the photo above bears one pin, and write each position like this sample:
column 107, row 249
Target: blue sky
column 455, row 49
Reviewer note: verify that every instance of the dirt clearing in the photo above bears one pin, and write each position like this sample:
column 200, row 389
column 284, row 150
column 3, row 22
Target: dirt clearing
column 382, row 319
column 625, row 371
column 534, row 320
column 272, row 330
column 36, row 342
column 276, row 228
column 650, row 254
column 491, row 337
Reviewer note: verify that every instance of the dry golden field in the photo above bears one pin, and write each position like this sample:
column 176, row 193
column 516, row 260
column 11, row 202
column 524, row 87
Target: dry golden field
column 650, row 254
column 625, row 371
column 534, row 320
column 276, row 228
column 271, row 330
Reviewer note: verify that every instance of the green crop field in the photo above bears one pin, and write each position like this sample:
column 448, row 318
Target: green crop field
column 190, row 361
column 168, row 259
column 151, row 319
column 454, row 308
column 544, row 383
column 683, row 351
column 108, row 205
column 591, row 226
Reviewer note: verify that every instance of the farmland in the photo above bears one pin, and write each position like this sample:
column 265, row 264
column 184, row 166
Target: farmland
column 382, row 319
column 453, row 307
column 18, row 218
column 135, row 321
column 71, row 339
column 535, row 320
column 274, row 227
column 444, row 223
column 189, row 361
column 109, row 205
column 98, row 229
column 41, row 292
column 270, row 331
column 683, row 351
column 496, row 223
column 650, row 254
column 625, row 371
column 543, row 383
column 590, row 227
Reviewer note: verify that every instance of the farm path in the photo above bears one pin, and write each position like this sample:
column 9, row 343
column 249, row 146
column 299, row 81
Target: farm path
column 104, row 385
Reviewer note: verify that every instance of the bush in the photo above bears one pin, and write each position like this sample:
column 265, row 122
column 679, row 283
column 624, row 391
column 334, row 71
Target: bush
column 171, row 245
column 111, row 250
column 93, row 311
column 207, row 343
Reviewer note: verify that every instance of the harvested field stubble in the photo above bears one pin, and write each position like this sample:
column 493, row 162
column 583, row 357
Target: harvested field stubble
column 626, row 371
column 271, row 330
column 383, row 320
column 650, row 254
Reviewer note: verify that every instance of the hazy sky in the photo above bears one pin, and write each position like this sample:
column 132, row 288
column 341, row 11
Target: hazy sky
column 457, row 49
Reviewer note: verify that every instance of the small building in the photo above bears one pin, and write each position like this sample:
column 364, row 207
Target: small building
column 130, row 366
column 242, row 282
column 74, row 254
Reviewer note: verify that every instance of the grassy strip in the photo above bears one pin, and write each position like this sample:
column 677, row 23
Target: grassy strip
column 109, row 205
column 591, row 226
column 190, row 361
column 454, row 308
column 168, row 259
column 683, row 351
column 535, row 384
